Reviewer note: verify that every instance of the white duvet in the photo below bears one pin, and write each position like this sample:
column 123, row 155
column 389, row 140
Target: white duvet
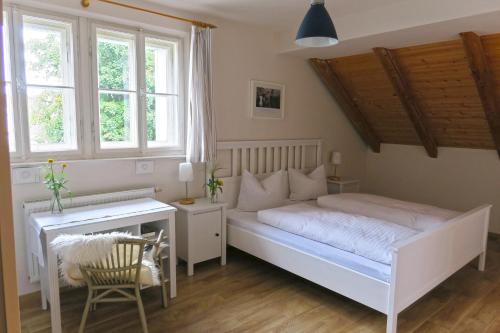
column 413, row 215
column 365, row 236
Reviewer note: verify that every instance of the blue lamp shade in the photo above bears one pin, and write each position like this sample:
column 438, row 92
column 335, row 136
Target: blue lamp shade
column 317, row 29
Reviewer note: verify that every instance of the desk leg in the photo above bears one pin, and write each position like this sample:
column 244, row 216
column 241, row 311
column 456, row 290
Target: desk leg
column 43, row 286
column 53, row 289
column 223, row 238
column 172, row 258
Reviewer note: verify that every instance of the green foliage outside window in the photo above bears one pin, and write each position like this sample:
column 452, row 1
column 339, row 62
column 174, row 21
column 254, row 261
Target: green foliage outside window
column 46, row 107
column 113, row 65
column 47, row 117
column 114, row 120
column 114, row 74
column 45, row 56
column 46, row 112
column 150, row 100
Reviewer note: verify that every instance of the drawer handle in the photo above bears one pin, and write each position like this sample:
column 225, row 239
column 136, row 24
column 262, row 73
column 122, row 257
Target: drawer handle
column 217, row 234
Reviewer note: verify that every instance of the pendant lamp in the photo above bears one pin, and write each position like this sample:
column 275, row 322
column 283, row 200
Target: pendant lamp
column 317, row 29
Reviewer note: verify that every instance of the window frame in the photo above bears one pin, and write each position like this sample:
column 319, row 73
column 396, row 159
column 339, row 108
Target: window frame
column 96, row 126
column 180, row 94
column 142, row 149
column 84, row 54
column 14, row 85
column 22, row 106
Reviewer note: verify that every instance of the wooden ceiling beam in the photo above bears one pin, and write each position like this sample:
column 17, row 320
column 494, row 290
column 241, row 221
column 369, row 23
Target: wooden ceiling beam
column 410, row 103
column 334, row 84
column 485, row 84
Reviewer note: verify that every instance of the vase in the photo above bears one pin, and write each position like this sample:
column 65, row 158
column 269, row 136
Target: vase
column 56, row 206
column 213, row 197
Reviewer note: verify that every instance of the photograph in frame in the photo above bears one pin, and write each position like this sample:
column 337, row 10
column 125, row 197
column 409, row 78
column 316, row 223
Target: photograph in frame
column 268, row 99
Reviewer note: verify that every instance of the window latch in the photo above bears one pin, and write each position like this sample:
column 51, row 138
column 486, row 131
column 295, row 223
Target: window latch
column 20, row 84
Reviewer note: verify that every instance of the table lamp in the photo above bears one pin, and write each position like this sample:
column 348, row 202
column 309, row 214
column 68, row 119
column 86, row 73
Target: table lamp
column 336, row 161
column 186, row 175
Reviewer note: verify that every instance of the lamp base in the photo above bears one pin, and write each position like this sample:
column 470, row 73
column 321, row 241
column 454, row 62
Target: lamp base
column 187, row 201
column 334, row 178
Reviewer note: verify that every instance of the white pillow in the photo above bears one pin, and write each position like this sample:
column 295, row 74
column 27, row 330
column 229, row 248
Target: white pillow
column 268, row 193
column 307, row 187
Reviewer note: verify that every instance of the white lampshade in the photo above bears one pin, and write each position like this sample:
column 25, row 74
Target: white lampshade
column 186, row 172
column 336, row 158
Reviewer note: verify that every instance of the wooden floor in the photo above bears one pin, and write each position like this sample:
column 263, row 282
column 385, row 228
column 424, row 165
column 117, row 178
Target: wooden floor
column 249, row 295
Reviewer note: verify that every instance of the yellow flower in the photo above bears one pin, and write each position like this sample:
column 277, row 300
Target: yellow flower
column 50, row 161
column 220, row 182
column 64, row 165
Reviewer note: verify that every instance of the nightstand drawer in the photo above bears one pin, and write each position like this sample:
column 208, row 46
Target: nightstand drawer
column 205, row 235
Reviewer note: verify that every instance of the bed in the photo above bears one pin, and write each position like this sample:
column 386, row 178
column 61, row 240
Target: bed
column 418, row 263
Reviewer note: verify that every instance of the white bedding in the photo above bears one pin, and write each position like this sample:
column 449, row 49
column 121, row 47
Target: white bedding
column 365, row 236
column 413, row 215
column 248, row 221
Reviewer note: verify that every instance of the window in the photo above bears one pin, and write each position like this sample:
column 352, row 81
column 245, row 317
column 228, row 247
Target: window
column 137, row 89
column 161, row 93
column 50, row 88
column 39, row 84
column 8, row 84
column 125, row 81
column 117, row 89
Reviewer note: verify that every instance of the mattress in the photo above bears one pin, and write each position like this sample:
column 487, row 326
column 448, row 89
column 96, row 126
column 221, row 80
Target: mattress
column 364, row 236
column 248, row 221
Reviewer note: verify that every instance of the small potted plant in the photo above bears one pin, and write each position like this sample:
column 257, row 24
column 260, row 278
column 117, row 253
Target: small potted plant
column 55, row 180
column 214, row 184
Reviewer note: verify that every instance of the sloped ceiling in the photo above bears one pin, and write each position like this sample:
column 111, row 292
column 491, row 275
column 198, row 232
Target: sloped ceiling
column 361, row 24
column 435, row 86
column 275, row 15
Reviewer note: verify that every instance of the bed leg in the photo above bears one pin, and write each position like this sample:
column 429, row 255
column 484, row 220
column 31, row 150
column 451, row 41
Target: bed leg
column 392, row 323
column 482, row 261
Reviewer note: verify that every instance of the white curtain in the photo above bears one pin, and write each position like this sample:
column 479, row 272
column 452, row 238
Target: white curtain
column 201, row 131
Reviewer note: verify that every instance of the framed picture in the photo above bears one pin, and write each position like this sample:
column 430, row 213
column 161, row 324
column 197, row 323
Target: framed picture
column 268, row 100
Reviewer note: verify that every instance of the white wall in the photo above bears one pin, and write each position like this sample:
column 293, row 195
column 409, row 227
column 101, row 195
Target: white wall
column 458, row 179
column 240, row 54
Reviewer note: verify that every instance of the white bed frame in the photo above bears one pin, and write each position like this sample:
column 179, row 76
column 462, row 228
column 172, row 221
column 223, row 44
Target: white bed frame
column 419, row 264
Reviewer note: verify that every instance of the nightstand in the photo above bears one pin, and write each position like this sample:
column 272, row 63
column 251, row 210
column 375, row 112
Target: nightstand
column 200, row 232
column 345, row 185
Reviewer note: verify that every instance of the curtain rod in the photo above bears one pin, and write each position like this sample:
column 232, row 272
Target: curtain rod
column 86, row 3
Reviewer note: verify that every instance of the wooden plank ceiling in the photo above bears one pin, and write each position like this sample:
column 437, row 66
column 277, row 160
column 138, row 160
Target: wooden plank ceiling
column 442, row 94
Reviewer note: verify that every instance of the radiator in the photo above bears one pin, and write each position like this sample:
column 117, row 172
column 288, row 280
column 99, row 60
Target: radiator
column 80, row 201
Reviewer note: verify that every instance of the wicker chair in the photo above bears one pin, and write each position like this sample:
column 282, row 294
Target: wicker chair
column 120, row 273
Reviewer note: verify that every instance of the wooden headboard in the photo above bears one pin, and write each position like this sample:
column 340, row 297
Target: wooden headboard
column 262, row 158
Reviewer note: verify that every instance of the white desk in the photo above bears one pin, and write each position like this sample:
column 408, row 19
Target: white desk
column 163, row 216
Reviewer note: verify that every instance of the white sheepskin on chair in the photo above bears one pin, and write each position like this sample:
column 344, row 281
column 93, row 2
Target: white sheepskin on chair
column 76, row 250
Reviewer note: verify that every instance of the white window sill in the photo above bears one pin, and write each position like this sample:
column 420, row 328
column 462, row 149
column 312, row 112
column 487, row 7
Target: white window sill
column 23, row 164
